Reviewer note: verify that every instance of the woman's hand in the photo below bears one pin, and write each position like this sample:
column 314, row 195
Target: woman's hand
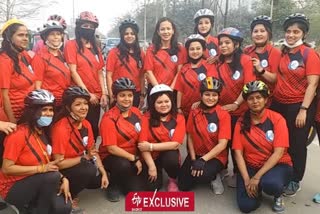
column 230, row 107
column 256, row 63
column 212, row 59
column 197, row 167
column 7, row 127
column 104, row 181
column 301, row 118
column 195, row 105
column 64, row 188
column 94, row 99
column 252, row 187
column 152, row 171
column 50, row 167
column 104, row 101
column 138, row 165
column 141, row 102
column 144, row 146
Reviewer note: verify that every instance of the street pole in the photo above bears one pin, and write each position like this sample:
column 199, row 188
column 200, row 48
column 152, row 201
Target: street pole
column 145, row 23
column 164, row 14
column 271, row 9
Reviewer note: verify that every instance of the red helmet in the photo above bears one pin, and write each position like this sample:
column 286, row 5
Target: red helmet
column 87, row 16
column 58, row 18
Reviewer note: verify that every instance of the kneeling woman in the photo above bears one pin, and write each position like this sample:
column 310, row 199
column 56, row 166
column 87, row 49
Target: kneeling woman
column 27, row 166
column 73, row 141
column 119, row 150
column 162, row 132
column 260, row 142
column 209, row 129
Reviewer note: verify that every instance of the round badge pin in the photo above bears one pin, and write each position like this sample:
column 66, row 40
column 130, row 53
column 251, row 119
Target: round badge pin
column 264, row 63
column 137, row 127
column 269, row 135
column 171, row 133
column 174, row 58
column 49, row 149
column 201, row 76
column 212, row 127
column 85, row 141
column 212, row 52
column 293, row 65
column 236, row 75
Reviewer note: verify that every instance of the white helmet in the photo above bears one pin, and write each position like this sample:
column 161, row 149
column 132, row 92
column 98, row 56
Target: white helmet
column 195, row 37
column 204, row 13
column 160, row 88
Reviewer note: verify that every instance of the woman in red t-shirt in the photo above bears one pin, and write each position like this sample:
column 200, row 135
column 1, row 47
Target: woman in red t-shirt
column 73, row 141
column 192, row 73
column 119, row 152
column 294, row 94
column 126, row 60
column 28, row 176
column 17, row 76
column 162, row 132
column 209, row 129
column 50, row 67
column 260, row 142
column 204, row 22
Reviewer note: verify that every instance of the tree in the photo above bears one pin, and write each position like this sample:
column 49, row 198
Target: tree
column 21, row 8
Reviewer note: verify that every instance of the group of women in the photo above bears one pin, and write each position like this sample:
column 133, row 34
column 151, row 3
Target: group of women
column 211, row 90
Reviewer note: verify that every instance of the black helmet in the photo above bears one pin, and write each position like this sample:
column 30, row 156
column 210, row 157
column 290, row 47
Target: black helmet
column 51, row 25
column 211, row 84
column 255, row 86
column 297, row 18
column 129, row 23
column 195, row 37
column 39, row 97
column 74, row 92
column 264, row 20
column 123, row 84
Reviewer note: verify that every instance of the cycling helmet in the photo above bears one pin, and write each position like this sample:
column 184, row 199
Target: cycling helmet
column 87, row 16
column 232, row 33
column 297, row 18
column 203, row 13
column 59, row 19
column 264, row 20
column 50, row 26
column 9, row 23
column 129, row 23
column 74, row 92
column 39, row 97
column 160, row 88
column 211, row 84
column 255, row 86
column 123, row 84
column 196, row 37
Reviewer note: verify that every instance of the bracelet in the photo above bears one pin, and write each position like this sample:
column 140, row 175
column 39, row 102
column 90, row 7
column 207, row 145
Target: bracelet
column 237, row 103
column 303, row 108
column 151, row 147
column 261, row 73
column 61, row 179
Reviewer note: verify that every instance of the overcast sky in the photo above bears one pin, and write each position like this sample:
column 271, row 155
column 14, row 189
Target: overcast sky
column 105, row 10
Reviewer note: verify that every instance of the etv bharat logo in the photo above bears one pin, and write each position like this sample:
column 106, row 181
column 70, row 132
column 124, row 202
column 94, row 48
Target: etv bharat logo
column 160, row 201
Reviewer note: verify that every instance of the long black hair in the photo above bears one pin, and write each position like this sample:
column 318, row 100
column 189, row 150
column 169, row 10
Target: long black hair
column 235, row 64
column 6, row 46
column 156, row 39
column 154, row 114
column 124, row 48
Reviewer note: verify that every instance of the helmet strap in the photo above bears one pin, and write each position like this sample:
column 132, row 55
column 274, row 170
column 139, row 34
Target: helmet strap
column 298, row 43
column 122, row 108
column 50, row 45
column 194, row 61
column 16, row 48
column 205, row 34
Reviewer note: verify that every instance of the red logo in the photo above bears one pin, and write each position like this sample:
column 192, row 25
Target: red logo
column 160, row 201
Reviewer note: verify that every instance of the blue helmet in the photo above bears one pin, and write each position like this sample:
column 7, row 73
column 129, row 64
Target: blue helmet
column 232, row 33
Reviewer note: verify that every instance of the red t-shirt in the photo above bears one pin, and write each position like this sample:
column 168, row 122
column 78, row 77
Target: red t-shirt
column 212, row 46
column 188, row 82
column 206, row 128
column 124, row 131
column 88, row 72
column 67, row 140
column 18, row 150
column 233, row 82
column 292, row 83
column 131, row 69
column 53, row 71
column 272, row 132
column 173, row 129
column 164, row 66
column 19, row 85
column 269, row 60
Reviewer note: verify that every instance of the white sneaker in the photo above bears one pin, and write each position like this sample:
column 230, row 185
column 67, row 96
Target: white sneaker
column 217, row 185
column 232, row 181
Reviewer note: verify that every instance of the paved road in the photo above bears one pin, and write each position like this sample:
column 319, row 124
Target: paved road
column 206, row 202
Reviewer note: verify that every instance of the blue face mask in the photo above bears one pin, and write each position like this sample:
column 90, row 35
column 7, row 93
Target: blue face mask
column 44, row 121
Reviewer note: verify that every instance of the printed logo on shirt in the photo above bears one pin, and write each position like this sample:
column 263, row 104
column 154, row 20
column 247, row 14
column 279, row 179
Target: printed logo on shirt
column 85, row 141
column 137, row 127
column 212, row 52
column 212, row 127
column 264, row 63
column 293, row 65
column 174, row 58
column 171, row 133
column 236, row 75
column 201, row 76
column 269, row 135
column 49, row 149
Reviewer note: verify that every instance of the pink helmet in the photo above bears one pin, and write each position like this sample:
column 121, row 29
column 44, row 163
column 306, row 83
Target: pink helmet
column 58, row 18
column 87, row 16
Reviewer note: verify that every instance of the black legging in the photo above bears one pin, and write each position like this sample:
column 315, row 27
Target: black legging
column 2, row 136
column 40, row 190
column 82, row 176
column 317, row 125
column 298, row 137
column 93, row 117
column 167, row 160
column 186, row 181
column 234, row 120
column 123, row 174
